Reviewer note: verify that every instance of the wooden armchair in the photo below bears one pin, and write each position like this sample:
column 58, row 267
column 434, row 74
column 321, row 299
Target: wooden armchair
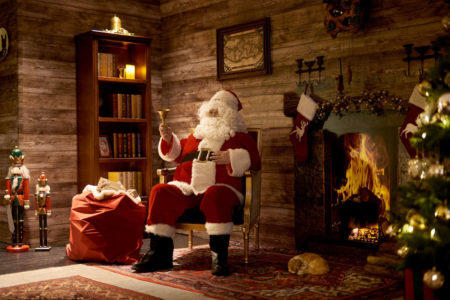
column 245, row 217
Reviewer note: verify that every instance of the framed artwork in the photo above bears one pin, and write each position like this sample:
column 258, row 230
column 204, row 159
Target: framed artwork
column 105, row 147
column 243, row 50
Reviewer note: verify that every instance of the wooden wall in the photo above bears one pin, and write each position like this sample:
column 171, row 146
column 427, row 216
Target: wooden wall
column 375, row 54
column 46, row 101
column 38, row 109
column 8, row 99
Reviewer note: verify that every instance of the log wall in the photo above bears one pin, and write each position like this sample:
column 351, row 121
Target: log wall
column 375, row 54
column 44, row 104
column 40, row 107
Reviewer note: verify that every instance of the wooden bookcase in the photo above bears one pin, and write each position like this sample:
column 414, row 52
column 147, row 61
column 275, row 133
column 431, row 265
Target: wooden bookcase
column 96, row 111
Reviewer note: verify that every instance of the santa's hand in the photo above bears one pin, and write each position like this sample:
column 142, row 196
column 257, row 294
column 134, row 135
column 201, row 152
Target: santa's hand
column 221, row 157
column 165, row 132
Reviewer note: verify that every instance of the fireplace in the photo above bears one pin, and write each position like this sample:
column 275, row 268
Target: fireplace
column 343, row 193
column 361, row 190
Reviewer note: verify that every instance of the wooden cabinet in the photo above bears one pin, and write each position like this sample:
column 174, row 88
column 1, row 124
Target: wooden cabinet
column 109, row 106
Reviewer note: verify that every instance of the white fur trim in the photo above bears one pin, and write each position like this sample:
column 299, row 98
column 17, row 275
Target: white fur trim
column 161, row 230
column 104, row 194
column 203, row 176
column 240, row 161
column 219, row 228
column 174, row 151
column 417, row 99
column 184, row 187
column 307, row 107
column 213, row 145
column 227, row 97
column 238, row 194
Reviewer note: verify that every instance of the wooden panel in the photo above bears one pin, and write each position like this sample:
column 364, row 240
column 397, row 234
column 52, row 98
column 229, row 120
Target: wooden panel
column 375, row 54
column 40, row 85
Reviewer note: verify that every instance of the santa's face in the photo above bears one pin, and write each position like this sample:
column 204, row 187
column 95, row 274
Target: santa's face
column 216, row 119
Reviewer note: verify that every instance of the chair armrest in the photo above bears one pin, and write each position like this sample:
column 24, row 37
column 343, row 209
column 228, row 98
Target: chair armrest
column 165, row 174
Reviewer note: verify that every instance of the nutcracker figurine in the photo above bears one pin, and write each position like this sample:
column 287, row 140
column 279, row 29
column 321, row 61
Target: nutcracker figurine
column 17, row 200
column 42, row 209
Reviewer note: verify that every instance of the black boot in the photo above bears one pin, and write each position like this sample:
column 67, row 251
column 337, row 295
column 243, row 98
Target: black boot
column 159, row 257
column 219, row 254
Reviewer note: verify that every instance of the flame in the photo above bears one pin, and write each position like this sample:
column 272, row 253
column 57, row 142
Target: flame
column 368, row 161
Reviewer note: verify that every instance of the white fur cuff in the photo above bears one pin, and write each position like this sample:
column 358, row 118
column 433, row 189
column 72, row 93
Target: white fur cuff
column 240, row 162
column 203, row 176
column 161, row 230
column 174, row 152
column 417, row 99
column 219, row 228
column 307, row 107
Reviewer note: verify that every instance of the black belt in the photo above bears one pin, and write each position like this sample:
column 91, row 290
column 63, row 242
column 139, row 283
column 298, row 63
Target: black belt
column 192, row 155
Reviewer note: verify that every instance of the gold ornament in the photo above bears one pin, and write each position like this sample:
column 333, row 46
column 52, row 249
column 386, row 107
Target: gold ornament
column 442, row 212
column 418, row 222
column 436, row 170
column 423, row 87
column 116, row 24
column 414, row 168
column 443, row 103
column 392, row 230
column 445, row 22
column 434, row 279
column 403, row 251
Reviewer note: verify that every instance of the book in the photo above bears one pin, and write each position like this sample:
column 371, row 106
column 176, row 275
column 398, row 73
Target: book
column 125, row 145
column 139, row 106
column 133, row 144
column 129, row 144
column 114, row 176
column 115, row 154
column 120, row 144
column 138, row 145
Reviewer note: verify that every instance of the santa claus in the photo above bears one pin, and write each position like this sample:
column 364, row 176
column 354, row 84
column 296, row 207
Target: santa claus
column 212, row 182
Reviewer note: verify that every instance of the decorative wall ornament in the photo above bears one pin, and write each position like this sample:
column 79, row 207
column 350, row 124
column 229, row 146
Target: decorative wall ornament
column 4, row 45
column 344, row 15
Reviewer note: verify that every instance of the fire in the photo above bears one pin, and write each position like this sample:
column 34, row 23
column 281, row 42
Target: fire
column 366, row 169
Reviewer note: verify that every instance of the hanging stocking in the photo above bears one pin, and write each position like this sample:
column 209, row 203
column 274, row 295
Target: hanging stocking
column 306, row 109
column 417, row 104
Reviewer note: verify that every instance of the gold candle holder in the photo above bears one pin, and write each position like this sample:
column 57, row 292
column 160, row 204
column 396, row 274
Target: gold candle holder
column 163, row 114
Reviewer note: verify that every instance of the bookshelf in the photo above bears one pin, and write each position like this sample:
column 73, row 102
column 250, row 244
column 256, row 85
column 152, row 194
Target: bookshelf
column 112, row 104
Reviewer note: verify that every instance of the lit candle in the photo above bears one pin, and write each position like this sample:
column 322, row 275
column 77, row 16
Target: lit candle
column 129, row 72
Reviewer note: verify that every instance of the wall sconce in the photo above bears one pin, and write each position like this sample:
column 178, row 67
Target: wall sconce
column 130, row 72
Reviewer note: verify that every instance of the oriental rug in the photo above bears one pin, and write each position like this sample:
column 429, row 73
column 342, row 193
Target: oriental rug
column 74, row 287
column 266, row 277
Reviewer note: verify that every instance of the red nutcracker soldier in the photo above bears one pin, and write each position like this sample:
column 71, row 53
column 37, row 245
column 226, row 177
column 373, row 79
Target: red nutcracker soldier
column 17, row 200
column 42, row 209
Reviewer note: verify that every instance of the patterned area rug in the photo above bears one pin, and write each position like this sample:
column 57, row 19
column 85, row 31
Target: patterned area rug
column 74, row 287
column 266, row 277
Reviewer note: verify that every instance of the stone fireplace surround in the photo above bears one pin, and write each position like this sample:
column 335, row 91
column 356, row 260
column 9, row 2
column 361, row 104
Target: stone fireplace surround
column 316, row 217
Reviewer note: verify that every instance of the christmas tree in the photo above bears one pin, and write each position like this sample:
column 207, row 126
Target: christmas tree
column 421, row 220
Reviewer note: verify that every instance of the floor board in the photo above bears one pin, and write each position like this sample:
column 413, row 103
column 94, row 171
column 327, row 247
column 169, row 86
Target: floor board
column 33, row 260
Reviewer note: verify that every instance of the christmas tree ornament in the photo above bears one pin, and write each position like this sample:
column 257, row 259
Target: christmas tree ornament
column 403, row 251
column 414, row 168
column 424, row 88
column 425, row 166
column 392, row 230
column 436, row 170
column 418, row 222
column 433, row 279
column 442, row 212
column 443, row 104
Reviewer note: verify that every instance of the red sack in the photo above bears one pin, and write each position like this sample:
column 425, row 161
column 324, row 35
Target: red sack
column 109, row 230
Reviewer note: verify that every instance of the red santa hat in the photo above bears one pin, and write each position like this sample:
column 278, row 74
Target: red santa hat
column 229, row 98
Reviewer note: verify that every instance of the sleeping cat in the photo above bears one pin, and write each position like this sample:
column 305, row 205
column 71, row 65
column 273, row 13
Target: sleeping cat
column 308, row 263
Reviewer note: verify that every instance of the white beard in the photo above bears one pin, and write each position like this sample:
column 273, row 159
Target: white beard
column 214, row 131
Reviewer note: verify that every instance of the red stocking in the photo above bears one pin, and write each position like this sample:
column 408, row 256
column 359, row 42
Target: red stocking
column 417, row 104
column 306, row 109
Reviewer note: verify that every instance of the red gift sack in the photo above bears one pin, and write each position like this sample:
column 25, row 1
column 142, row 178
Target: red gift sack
column 109, row 230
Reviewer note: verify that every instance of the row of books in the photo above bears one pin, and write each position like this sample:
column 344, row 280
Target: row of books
column 127, row 106
column 127, row 144
column 129, row 179
column 107, row 65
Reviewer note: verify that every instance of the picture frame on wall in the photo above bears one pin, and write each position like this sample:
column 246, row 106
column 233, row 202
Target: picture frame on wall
column 244, row 50
column 104, row 146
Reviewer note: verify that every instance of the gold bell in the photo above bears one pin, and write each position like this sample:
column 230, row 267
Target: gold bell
column 116, row 24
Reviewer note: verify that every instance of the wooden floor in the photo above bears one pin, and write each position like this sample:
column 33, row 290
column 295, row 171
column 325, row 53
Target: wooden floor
column 33, row 260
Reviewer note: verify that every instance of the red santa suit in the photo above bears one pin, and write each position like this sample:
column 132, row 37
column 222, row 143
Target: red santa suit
column 215, row 188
